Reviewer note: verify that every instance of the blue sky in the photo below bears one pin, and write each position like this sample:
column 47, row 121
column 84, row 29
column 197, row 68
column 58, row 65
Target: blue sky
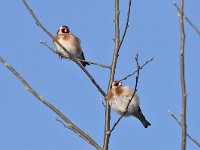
column 26, row 124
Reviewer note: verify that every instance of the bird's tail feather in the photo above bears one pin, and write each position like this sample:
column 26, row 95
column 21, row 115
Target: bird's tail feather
column 142, row 119
column 83, row 58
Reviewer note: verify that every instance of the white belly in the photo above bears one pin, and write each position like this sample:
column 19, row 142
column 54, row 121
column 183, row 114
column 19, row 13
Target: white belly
column 70, row 48
column 120, row 105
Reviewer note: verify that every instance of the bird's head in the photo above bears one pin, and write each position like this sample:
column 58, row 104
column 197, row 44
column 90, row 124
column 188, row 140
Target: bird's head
column 116, row 84
column 63, row 29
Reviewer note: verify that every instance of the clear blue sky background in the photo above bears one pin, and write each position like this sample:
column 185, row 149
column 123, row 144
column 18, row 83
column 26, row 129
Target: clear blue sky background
column 26, row 124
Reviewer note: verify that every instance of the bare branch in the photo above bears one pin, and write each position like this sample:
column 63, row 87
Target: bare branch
column 135, row 90
column 68, row 126
column 60, row 54
column 103, row 102
column 49, row 105
column 71, row 56
column 187, row 19
column 182, row 76
column 112, row 74
column 190, row 137
column 137, row 70
column 127, row 24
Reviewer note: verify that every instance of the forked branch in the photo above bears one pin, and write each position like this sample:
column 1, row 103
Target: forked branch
column 187, row 19
column 50, row 106
column 126, row 77
column 71, row 56
column 190, row 137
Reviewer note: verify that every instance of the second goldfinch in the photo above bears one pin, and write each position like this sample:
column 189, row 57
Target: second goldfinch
column 118, row 98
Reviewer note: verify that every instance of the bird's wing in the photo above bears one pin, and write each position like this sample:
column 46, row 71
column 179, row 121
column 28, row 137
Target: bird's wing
column 126, row 93
column 77, row 39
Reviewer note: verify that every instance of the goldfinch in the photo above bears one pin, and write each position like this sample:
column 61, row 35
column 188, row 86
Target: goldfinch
column 70, row 42
column 119, row 96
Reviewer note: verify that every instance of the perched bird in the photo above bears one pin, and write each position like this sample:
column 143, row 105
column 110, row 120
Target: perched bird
column 70, row 42
column 118, row 98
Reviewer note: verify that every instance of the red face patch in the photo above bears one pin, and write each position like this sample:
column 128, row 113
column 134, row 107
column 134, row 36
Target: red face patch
column 64, row 29
column 116, row 83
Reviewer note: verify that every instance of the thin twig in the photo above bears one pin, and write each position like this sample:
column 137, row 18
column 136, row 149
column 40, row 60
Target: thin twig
column 137, row 70
column 187, row 19
column 71, row 56
column 112, row 75
column 49, row 105
column 127, row 24
column 103, row 102
column 182, row 76
column 190, row 137
column 68, row 126
column 135, row 90
column 63, row 56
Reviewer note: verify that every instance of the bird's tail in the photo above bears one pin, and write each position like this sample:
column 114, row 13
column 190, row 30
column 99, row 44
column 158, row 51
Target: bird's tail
column 142, row 119
column 83, row 58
